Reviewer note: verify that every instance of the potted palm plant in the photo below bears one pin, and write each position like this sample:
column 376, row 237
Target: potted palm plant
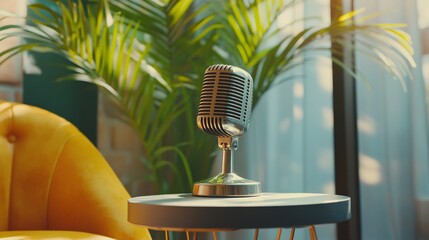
column 149, row 56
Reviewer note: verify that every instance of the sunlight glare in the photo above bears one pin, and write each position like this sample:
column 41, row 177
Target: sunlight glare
column 366, row 125
column 298, row 114
column 323, row 70
column 328, row 117
column 370, row 170
column 298, row 89
column 326, row 160
column 329, row 188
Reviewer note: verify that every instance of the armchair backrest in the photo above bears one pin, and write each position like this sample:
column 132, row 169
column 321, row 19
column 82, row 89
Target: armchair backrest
column 52, row 177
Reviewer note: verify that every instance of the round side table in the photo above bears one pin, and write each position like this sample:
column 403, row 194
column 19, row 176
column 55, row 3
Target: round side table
column 185, row 212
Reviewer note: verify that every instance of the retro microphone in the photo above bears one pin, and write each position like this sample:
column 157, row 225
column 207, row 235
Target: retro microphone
column 224, row 111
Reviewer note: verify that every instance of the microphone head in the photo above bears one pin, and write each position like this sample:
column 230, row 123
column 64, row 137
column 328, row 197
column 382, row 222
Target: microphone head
column 226, row 101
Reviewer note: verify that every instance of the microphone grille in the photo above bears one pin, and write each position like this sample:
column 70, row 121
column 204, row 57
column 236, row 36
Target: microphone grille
column 226, row 96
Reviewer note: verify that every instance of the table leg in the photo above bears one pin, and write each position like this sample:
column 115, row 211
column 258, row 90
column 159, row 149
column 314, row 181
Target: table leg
column 256, row 235
column 313, row 235
column 292, row 233
column 311, row 229
column 279, row 234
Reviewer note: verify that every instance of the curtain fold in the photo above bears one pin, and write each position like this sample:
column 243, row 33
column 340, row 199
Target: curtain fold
column 289, row 145
column 393, row 139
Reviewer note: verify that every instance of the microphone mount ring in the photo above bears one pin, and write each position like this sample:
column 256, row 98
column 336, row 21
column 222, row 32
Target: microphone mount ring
column 230, row 143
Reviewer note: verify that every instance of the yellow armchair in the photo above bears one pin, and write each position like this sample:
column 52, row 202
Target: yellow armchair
column 53, row 181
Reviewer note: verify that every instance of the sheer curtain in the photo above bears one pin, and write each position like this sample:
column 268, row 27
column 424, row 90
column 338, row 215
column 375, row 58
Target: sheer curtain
column 393, row 140
column 289, row 146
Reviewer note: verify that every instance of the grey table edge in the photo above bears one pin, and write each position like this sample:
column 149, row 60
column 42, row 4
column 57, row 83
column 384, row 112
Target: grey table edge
column 183, row 212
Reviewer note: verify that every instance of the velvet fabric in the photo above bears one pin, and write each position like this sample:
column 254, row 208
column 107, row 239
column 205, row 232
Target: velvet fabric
column 50, row 235
column 53, row 178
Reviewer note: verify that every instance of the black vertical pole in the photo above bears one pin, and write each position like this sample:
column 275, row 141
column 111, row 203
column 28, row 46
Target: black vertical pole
column 345, row 133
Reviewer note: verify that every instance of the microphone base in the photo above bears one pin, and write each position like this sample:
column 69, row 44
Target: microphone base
column 227, row 185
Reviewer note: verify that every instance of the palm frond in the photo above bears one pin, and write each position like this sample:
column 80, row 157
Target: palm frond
column 150, row 57
column 249, row 30
column 181, row 35
column 107, row 55
column 176, row 31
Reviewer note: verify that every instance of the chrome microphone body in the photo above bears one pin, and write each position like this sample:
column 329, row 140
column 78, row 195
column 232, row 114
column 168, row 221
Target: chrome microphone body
column 224, row 111
column 226, row 101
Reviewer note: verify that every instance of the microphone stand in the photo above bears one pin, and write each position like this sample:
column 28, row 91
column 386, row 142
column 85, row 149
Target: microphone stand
column 227, row 183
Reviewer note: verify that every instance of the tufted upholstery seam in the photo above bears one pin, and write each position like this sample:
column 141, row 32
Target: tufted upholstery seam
column 53, row 186
column 52, row 175
column 9, row 130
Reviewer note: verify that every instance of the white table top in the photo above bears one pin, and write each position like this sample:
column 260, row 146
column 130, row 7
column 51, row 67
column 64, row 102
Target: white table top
column 269, row 210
